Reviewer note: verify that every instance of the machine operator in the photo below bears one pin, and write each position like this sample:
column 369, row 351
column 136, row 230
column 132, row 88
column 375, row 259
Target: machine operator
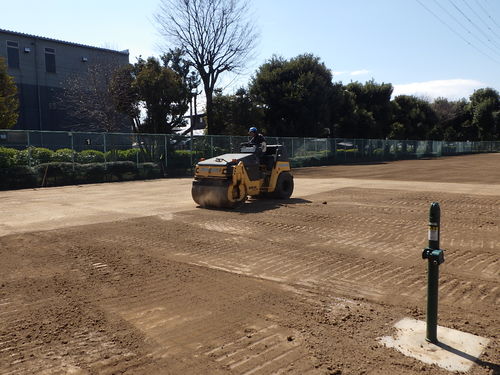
column 257, row 139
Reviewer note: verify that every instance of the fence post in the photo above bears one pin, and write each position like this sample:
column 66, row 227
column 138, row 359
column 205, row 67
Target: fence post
column 328, row 147
column 335, row 149
column 191, row 150
column 435, row 257
column 72, row 150
column 211, row 146
column 105, row 150
column 166, row 153
column 29, row 147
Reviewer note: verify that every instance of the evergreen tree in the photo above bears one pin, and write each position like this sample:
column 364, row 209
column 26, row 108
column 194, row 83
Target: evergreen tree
column 9, row 102
column 295, row 95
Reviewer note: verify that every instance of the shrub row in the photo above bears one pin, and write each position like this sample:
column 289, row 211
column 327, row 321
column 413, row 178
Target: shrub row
column 10, row 157
column 310, row 159
column 64, row 173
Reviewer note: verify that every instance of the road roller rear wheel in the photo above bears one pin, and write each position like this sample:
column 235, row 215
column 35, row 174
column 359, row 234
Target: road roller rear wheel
column 284, row 186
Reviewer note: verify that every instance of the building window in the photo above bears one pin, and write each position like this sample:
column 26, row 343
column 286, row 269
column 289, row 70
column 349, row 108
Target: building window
column 50, row 60
column 13, row 54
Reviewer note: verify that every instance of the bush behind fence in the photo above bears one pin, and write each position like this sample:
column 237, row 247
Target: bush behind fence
column 40, row 158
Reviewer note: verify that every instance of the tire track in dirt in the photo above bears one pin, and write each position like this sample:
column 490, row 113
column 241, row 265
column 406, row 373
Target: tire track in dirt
column 101, row 352
column 368, row 276
column 53, row 326
column 261, row 350
column 478, row 268
column 177, row 333
column 270, row 353
column 138, row 295
column 141, row 273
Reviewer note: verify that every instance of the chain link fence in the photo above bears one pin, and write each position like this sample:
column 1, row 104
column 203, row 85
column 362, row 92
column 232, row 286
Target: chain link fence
column 53, row 158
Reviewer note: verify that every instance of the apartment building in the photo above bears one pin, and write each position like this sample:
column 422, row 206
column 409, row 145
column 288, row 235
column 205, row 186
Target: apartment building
column 41, row 67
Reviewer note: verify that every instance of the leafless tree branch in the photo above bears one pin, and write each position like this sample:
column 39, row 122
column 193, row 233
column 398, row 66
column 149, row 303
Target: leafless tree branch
column 87, row 99
column 217, row 35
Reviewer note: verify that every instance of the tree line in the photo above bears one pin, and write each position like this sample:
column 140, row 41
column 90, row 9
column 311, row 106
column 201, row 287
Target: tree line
column 294, row 97
column 297, row 97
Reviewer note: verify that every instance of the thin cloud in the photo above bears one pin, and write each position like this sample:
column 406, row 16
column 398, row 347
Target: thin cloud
column 351, row 73
column 359, row 72
column 452, row 88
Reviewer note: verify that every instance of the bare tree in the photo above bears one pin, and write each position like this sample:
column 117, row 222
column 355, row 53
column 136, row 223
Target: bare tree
column 87, row 99
column 216, row 35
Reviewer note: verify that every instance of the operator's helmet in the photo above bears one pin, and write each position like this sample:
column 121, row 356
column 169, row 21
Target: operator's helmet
column 252, row 130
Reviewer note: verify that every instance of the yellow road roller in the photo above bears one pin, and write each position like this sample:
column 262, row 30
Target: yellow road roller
column 227, row 180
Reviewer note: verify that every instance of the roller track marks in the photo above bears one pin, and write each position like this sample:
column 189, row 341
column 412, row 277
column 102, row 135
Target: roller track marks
column 174, row 333
column 263, row 350
column 122, row 296
column 102, row 352
column 370, row 255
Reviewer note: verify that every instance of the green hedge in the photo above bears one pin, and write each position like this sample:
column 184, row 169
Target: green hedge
column 90, row 156
column 64, row 173
column 38, row 155
column 10, row 157
column 124, row 155
column 36, row 166
column 64, row 155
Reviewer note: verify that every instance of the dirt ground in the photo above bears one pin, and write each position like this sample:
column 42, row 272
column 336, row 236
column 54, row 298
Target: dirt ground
column 132, row 278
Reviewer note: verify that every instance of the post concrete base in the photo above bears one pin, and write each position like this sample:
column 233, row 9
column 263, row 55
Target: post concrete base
column 455, row 351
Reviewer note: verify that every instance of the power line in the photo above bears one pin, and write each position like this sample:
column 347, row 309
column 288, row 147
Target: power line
column 472, row 23
column 487, row 14
column 466, row 28
column 480, row 18
column 456, row 33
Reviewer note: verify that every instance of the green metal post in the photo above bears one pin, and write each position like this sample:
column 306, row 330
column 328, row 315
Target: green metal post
column 435, row 257
column 72, row 150
column 433, row 274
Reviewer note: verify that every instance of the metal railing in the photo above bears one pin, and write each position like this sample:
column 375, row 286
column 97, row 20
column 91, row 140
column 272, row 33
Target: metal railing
column 31, row 148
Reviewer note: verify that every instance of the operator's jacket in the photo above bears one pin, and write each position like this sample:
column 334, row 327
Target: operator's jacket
column 259, row 141
column 260, row 146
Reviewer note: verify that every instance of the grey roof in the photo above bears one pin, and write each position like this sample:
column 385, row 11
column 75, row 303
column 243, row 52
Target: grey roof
column 125, row 52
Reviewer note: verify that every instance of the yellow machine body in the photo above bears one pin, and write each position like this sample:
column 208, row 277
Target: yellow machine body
column 224, row 182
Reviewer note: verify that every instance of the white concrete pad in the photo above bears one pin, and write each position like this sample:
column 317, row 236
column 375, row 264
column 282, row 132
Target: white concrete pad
column 455, row 351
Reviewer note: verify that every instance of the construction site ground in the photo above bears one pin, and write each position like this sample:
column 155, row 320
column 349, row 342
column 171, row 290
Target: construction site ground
column 133, row 278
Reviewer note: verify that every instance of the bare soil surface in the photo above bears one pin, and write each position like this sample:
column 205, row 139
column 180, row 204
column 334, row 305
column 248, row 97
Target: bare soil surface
column 479, row 168
column 304, row 286
column 472, row 169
